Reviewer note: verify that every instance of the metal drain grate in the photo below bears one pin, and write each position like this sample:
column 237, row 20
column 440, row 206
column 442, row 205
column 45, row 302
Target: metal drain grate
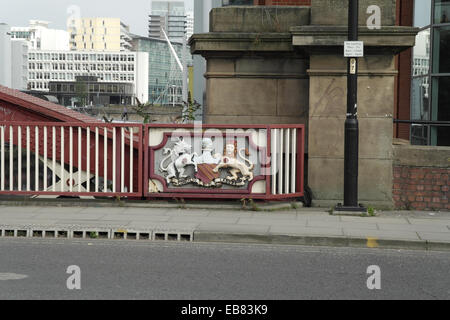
column 95, row 233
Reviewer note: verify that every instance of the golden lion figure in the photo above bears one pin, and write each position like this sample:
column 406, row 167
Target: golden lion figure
column 234, row 165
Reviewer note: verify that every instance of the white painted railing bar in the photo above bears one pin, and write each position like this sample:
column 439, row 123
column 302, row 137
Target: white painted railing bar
column 114, row 160
column 28, row 157
column 19, row 159
column 54, row 158
column 36, row 159
column 294, row 161
column 88, row 159
column 96, row 159
column 274, row 160
column 62, row 159
column 79, row 159
column 131, row 160
column 280, row 158
column 105, row 159
column 70, row 159
column 45, row 157
column 11, row 158
column 122, row 161
column 287, row 170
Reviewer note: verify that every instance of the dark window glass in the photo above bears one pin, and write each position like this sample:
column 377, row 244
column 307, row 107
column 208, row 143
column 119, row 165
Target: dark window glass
column 441, row 110
column 441, row 50
column 442, row 11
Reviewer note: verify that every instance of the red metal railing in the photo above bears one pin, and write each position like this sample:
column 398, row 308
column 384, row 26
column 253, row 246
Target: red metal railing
column 133, row 160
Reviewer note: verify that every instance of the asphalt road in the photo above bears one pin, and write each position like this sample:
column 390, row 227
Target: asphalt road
column 36, row 269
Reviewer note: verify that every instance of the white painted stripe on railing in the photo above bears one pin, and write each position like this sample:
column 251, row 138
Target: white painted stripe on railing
column 28, row 157
column 274, row 160
column 54, row 158
column 96, row 159
column 114, row 160
column 131, row 160
column 19, row 159
column 280, row 158
column 62, row 159
column 88, row 159
column 36, row 159
column 105, row 159
column 286, row 162
column 45, row 158
column 294, row 161
column 11, row 158
column 70, row 159
column 79, row 159
column 122, row 161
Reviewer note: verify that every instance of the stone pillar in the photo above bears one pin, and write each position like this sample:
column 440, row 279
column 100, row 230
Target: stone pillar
column 328, row 100
column 254, row 75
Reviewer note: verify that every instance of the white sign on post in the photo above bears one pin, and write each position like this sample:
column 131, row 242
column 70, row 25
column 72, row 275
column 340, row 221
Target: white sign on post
column 353, row 49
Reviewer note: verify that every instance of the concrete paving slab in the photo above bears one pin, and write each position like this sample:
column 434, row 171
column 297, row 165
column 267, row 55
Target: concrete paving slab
column 18, row 209
column 133, row 217
column 414, row 227
column 319, row 217
column 399, row 220
column 228, row 213
column 173, row 226
column 17, row 215
column 102, row 210
column 381, row 234
column 60, row 210
column 212, row 227
column 253, row 221
column 77, row 216
column 291, row 230
column 95, row 223
column 206, row 219
column 145, row 211
column 188, row 213
column 444, row 222
column 435, row 236
column 331, row 224
column 274, row 215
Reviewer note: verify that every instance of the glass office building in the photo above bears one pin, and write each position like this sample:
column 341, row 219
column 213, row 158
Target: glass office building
column 430, row 91
column 165, row 78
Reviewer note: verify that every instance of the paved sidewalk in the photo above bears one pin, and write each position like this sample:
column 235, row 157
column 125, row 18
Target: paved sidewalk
column 305, row 226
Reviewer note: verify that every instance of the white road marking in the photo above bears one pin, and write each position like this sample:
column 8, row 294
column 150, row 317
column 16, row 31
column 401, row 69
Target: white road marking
column 12, row 276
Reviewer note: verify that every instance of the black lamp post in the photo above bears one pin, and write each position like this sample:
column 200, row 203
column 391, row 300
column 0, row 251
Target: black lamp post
column 351, row 123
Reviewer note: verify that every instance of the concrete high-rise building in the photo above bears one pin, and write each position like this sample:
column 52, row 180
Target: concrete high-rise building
column 40, row 37
column 19, row 64
column 5, row 55
column 99, row 34
column 189, row 24
column 170, row 16
column 108, row 67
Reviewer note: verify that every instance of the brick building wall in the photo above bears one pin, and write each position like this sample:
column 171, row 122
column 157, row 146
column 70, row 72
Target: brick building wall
column 421, row 188
column 421, row 178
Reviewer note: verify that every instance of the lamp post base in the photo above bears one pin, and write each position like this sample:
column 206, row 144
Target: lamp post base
column 350, row 211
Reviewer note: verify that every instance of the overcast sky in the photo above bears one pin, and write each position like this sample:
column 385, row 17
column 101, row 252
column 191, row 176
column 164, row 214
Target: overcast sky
column 17, row 13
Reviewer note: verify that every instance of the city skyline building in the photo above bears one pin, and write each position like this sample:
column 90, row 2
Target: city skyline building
column 5, row 55
column 99, row 34
column 40, row 37
column 165, row 79
column 109, row 67
column 170, row 16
